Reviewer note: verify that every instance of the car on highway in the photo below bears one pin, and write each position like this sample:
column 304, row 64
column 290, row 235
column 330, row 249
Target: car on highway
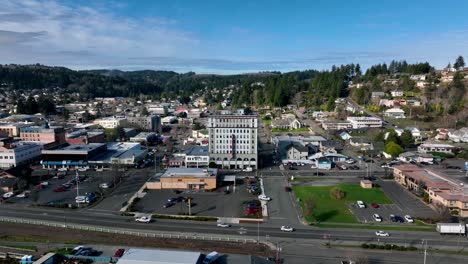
column 287, row 229
column 119, row 253
column 377, row 217
column 361, row 204
column 374, row 205
column 23, row 194
column 264, row 197
column 169, row 204
column 409, row 219
column 143, row 219
column 60, row 189
column 62, row 169
column 224, row 225
column 382, row 233
column 106, row 185
column 8, row 195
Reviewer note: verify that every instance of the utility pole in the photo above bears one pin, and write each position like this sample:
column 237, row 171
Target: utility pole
column 258, row 232
column 425, row 252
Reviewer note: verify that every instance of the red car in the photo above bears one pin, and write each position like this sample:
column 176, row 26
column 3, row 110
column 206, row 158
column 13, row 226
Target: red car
column 119, row 252
column 252, row 210
column 59, row 189
column 39, row 186
column 374, row 205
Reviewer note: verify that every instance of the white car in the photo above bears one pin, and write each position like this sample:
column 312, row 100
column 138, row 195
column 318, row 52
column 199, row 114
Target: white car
column 287, row 229
column 361, row 204
column 44, row 183
column 23, row 194
column 223, row 225
column 382, row 233
column 143, row 219
column 8, row 195
column 409, row 219
column 377, row 217
column 62, row 169
column 264, row 197
column 82, row 169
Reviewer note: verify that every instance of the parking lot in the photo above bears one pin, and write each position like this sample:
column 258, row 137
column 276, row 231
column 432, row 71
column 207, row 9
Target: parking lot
column 52, row 192
column 216, row 203
column 364, row 215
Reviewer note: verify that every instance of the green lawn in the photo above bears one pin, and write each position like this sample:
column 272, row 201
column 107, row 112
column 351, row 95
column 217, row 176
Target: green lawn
column 266, row 122
column 328, row 209
column 302, row 129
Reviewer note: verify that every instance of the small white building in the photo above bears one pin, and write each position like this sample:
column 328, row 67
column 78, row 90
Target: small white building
column 396, row 93
column 197, row 157
column 297, row 152
column 435, row 147
column 395, row 113
column 364, row 122
column 111, row 122
column 286, row 123
column 460, row 135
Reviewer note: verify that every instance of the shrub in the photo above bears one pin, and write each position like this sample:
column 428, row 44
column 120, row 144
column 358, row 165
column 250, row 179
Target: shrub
column 412, row 248
column 364, row 245
column 381, row 246
column 372, row 246
column 337, row 193
column 388, row 246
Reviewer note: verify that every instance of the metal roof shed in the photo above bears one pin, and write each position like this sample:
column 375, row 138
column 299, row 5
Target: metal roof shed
column 158, row 256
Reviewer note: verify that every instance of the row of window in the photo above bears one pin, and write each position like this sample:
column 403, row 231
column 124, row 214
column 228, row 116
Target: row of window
column 229, row 151
column 6, row 157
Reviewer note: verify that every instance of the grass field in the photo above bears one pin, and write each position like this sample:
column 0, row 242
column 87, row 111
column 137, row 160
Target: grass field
column 328, row 209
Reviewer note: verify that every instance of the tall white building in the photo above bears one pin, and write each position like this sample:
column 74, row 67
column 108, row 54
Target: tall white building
column 233, row 141
column 111, row 122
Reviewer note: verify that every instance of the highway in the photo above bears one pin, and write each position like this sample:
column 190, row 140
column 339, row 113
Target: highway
column 273, row 232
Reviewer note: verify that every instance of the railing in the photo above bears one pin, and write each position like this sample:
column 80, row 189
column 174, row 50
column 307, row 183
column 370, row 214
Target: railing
column 121, row 231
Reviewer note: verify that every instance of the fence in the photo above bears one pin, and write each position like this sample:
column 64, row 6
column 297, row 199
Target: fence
column 121, row 231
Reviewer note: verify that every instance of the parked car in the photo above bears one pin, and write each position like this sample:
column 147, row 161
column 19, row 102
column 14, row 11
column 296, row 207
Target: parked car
column 264, row 197
column 377, row 217
column 8, row 195
column 361, row 204
column 23, row 194
column 143, row 219
column 83, row 169
column 106, row 185
column 39, row 187
column 62, row 169
column 287, row 229
column 171, row 200
column 292, row 168
column 45, row 183
column 287, row 189
column 382, row 233
column 409, row 219
column 119, row 253
column 374, row 205
column 252, row 210
column 223, row 225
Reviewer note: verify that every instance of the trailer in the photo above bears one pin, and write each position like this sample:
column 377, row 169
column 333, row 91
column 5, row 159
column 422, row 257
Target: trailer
column 452, row 228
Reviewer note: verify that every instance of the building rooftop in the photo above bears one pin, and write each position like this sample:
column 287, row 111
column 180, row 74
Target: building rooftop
column 159, row 256
column 197, row 151
column 190, row 172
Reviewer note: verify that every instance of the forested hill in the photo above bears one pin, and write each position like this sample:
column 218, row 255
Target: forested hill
column 106, row 83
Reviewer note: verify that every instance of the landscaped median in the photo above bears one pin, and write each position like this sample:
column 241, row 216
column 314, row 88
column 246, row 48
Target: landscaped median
column 319, row 205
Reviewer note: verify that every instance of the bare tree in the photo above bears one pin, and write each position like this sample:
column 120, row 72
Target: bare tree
column 309, row 206
column 443, row 212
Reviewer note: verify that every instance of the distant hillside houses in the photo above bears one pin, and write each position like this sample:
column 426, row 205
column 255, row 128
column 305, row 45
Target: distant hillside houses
column 460, row 135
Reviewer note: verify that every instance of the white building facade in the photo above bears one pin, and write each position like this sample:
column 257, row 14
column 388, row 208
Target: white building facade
column 233, row 141
column 19, row 153
column 111, row 122
column 364, row 122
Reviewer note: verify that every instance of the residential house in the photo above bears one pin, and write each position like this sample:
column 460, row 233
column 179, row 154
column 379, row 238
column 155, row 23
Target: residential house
column 345, row 135
column 460, row 135
column 415, row 132
column 418, row 77
column 394, row 113
column 435, row 147
column 442, row 134
column 361, row 142
column 377, row 94
column 391, row 81
column 8, row 182
column 386, row 102
column 413, row 102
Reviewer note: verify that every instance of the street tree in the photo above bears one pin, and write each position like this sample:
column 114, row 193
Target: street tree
column 393, row 149
column 406, row 139
column 459, row 63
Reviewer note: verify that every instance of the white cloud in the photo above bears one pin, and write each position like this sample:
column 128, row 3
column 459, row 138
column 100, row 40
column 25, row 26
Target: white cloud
column 44, row 31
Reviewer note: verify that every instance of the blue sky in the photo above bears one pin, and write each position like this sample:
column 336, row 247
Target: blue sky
column 230, row 36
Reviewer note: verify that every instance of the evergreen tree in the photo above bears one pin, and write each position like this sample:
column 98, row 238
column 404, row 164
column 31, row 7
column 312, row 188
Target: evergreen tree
column 459, row 63
column 406, row 139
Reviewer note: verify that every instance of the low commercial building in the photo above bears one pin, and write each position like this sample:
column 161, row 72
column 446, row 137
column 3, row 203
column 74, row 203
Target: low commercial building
column 435, row 147
column 364, row 122
column 336, row 125
column 159, row 256
column 18, row 153
column 197, row 157
column 144, row 137
column 412, row 156
column 12, row 129
column 442, row 189
column 148, row 123
column 72, row 156
column 185, row 178
column 84, row 136
column 111, row 122
column 51, row 136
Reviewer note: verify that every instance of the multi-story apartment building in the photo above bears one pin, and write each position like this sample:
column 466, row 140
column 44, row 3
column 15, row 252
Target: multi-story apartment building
column 111, row 122
column 51, row 136
column 441, row 189
column 336, row 125
column 364, row 122
column 149, row 123
column 18, row 153
column 233, row 140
